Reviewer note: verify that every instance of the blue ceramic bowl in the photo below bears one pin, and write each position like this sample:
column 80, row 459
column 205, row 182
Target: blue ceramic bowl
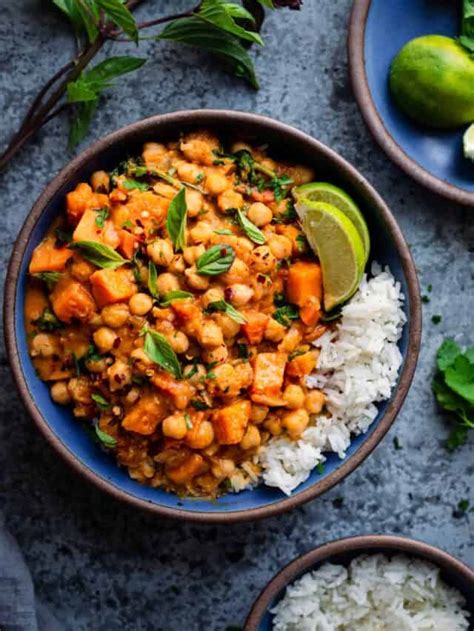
column 57, row 423
column 379, row 29
column 342, row 552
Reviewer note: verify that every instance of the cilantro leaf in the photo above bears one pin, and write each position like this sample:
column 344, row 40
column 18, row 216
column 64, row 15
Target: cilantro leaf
column 460, row 378
column 447, row 353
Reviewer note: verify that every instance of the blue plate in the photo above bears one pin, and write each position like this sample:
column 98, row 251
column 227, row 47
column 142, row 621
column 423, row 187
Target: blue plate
column 66, row 434
column 379, row 29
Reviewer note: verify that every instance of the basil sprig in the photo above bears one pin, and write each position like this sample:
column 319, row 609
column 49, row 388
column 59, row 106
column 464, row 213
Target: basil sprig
column 176, row 220
column 215, row 260
column 169, row 297
column 99, row 254
column 250, row 229
column 225, row 307
column 100, row 401
column 152, row 277
column 159, row 350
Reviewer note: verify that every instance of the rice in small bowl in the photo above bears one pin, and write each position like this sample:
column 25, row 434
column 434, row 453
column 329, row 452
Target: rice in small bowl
column 372, row 583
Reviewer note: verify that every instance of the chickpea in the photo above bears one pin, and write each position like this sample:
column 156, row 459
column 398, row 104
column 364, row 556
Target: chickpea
column 216, row 182
column 294, row 396
column 161, row 252
column 142, row 360
column 239, row 294
column 132, row 396
column 262, row 259
column 197, row 372
column 212, row 295
column 192, row 253
column 258, row 413
column 194, row 202
column 119, row 374
column 140, row 304
column 230, row 328
column 189, row 172
column 223, row 468
column 178, row 341
column 44, row 345
column 98, row 365
column 251, row 438
column 198, row 146
column 104, row 339
column 273, row 425
column 238, row 272
column 230, row 199
column 201, row 436
column 260, row 214
column 60, row 393
column 195, row 280
column 295, row 422
column 167, row 282
column 210, row 334
column 216, row 355
column 177, row 265
column 100, row 181
column 201, row 233
column 153, row 152
column 315, row 401
column 174, row 426
column 115, row 316
column 274, row 331
column 79, row 389
column 243, row 247
column 280, row 246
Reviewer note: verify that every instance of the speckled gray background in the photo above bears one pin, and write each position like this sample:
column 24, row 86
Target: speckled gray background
column 102, row 566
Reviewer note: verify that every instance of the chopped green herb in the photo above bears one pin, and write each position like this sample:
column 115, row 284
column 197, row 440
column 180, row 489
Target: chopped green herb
column 429, row 288
column 199, row 178
column 281, row 187
column 63, row 237
column 50, row 278
column 199, row 405
column 285, row 314
column 159, row 350
column 396, row 443
column 101, row 402
column 216, row 260
column 425, row 299
column 47, row 321
column 131, row 184
column 127, row 224
column 168, row 298
column 152, row 278
column 462, row 509
column 302, row 244
column 436, row 319
column 224, row 231
column 102, row 215
column 320, row 468
column 288, row 216
column 189, row 423
column 99, row 254
column 225, row 307
column 105, row 439
column 243, row 351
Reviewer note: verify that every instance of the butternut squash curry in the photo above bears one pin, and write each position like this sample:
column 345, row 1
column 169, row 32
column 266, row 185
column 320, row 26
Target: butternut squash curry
column 173, row 305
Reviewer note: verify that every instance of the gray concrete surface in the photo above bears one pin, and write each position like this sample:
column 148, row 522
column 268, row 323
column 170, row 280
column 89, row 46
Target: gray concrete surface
column 103, row 567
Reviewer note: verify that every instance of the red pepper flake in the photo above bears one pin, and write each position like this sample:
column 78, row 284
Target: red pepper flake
column 261, row 278
column 139, row 223
column 228, row 293
column 116, row 343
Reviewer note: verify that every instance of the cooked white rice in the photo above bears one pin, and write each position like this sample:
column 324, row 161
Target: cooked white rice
column 372, row 594
column 357, row 368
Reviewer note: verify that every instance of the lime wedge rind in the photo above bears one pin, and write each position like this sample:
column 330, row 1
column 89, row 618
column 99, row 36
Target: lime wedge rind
column 339, row 247
column 331, row 194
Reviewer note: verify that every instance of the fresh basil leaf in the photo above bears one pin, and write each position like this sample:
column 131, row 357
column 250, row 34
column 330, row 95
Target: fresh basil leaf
column 217, row 13
column 225, row 307
column 152, row 276
column 176, row 220
column 267, row 3
column 250, row 229
column 101, row 402
column 63, row 237
column 75, row 13
column 102, row 215
column 83, row 114
column 224, row 231
column 106, row 439
column 116, row 11
column 194, row 31
column 215, row 260
column 284, row 314
column 130, row 185
column 160, row 352
column 238, row 12
column 50, row 278
column 47, row 321
column 174, row 295
column 99, row 254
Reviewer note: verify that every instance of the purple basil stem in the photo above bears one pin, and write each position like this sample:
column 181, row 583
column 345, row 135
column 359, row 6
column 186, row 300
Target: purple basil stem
column 294, row 5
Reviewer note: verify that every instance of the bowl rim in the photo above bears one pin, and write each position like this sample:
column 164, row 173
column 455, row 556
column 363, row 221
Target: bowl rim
column 360, row 544
column 213, row 118
column 373, row 120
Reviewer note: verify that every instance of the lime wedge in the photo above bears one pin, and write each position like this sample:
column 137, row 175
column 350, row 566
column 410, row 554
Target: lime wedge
column 468, row 141
column 330, row 194
column 339, row 247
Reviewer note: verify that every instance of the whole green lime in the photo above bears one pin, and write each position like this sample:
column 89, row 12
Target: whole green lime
column 432, row 80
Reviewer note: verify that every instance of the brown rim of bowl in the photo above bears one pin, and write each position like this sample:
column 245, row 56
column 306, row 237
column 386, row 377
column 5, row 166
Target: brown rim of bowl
column 361, row 544
column 360, row 85
column 215, row 118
